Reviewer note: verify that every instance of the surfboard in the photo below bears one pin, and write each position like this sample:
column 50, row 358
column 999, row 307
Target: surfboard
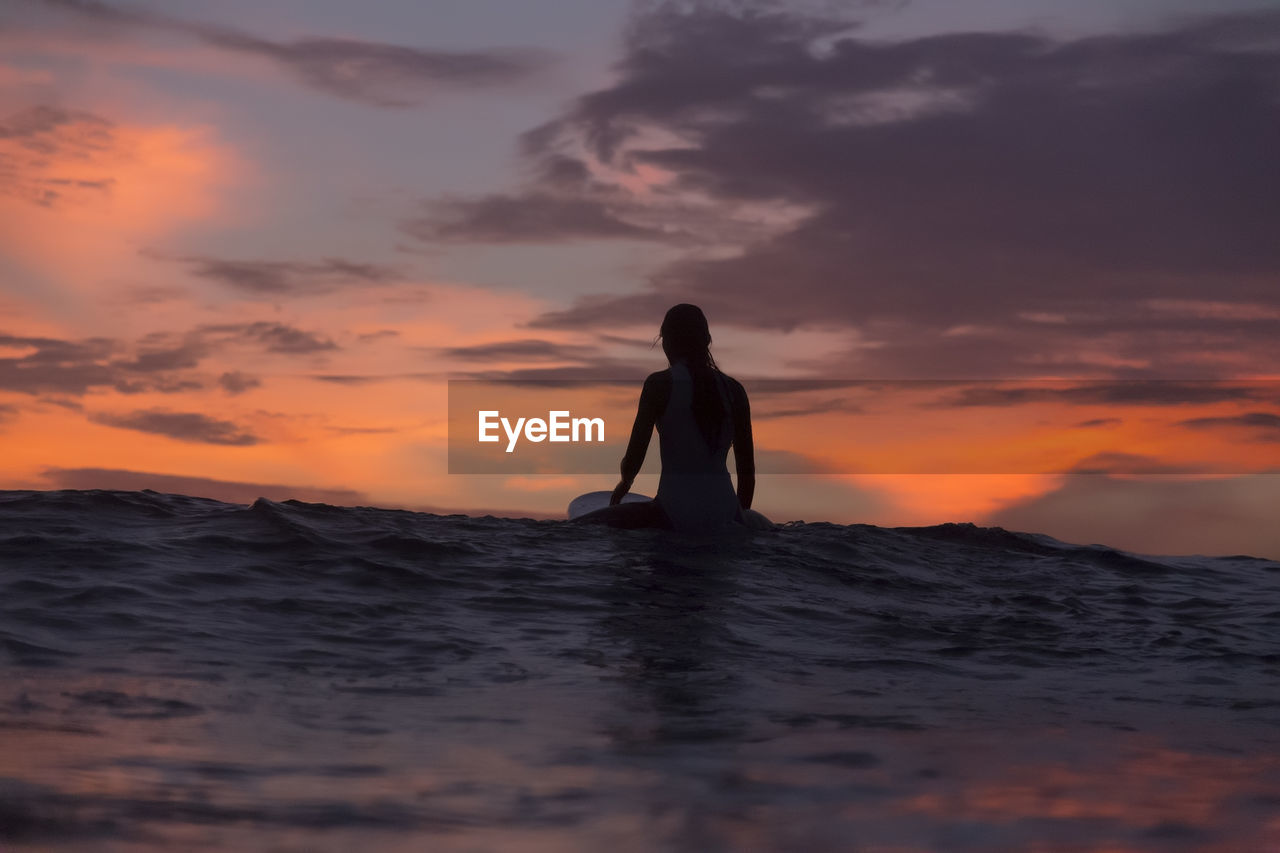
column 592, row 501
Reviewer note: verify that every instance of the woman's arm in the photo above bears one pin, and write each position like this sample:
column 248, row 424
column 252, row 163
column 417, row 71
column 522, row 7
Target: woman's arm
column 744, row 450
column 653, row 400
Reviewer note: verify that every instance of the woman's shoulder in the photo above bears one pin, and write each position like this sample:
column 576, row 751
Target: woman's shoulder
column 738, row 399
column 657, row 385
column 659, row 377
column 735, row 386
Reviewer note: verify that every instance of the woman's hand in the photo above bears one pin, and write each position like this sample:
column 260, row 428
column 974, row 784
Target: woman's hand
column 619, row 492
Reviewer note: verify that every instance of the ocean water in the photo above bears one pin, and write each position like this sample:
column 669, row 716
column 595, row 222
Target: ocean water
column 184, row 674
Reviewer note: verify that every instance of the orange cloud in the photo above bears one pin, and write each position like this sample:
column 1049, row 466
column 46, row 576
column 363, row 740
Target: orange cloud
column 366, row 411
column 84, row 194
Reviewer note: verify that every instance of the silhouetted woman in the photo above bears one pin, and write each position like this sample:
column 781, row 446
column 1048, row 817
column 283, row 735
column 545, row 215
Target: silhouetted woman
column 699, row 413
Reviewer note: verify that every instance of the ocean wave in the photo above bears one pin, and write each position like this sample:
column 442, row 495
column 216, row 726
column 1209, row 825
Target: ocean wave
column 235, row 636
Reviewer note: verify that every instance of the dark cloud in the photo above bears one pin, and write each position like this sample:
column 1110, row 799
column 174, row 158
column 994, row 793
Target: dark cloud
column 285, row 278
column 601, row 311
column 362, row 430
column 222, row 490
column 534, row 217
column 64, row 403
column 164, row 362
column 8, row 412
column 564, row 171
column 59, row 366
column 1119, row 462
column 955, row 181
column 184, row 426
column 629, row 342
column 235, row 382
column 55, row 351
column 1131, row 393
column 34, row 138
column 160, row 384
column 32, row 127
column 274, row 337
column 1099, row 422
column 378, row 335
column 817, row 407
column 386, row 75
column 528, row 349
column 373, row 378
column 1263, row 425
column 340, row 379
column 185, row 355
column 150, row 295
column 277, row 337
column 104, row 184
column 603, row 371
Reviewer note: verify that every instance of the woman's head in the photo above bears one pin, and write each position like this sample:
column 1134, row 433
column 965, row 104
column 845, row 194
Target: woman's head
column 686, row 338
column 685, row 334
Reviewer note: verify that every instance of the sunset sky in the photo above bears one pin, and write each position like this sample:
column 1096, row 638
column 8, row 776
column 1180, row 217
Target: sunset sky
column 1030, row 247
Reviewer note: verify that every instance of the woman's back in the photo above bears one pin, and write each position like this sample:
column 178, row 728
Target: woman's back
column 695, row 490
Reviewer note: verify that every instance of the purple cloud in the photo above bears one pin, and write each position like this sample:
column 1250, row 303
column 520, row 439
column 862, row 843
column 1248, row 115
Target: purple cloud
column 1264, row 425
column 285, row 278
column 973, row 203
column 375, row 73
column 235, row 382
column 33, row 138
column 525, row 349
column 532, row 217
column 184, row 426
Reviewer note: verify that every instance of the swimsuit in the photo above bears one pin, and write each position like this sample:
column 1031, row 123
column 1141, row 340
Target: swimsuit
column 695, row 490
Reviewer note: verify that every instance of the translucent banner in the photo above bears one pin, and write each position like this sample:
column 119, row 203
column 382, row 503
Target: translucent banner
column 868, row 426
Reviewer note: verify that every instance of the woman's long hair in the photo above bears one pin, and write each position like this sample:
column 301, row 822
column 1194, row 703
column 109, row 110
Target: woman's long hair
column 687, row 337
